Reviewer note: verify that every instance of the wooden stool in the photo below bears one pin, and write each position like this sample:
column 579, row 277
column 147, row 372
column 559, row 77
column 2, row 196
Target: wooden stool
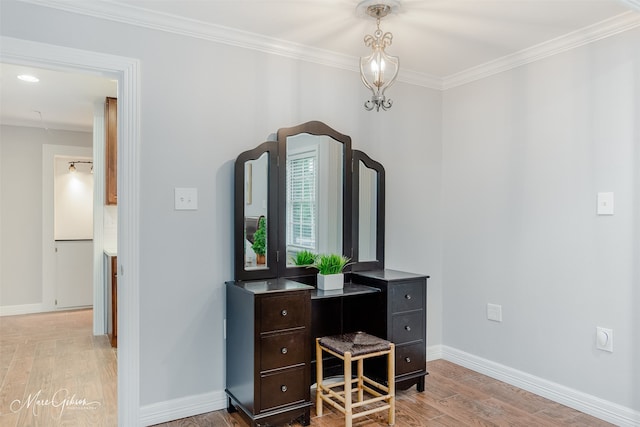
column 349, row 348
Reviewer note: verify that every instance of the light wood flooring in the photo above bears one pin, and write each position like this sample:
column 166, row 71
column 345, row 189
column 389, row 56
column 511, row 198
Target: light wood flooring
column 54, row 372
column 454, row 396
column 42, row 354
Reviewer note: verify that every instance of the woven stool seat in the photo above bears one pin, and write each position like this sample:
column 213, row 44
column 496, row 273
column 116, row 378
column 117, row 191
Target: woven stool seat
column 356, row 343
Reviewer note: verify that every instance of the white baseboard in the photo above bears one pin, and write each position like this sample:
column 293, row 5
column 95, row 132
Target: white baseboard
column 434, row 352
column 183, row 407
column 592, row 405
column 13, row 310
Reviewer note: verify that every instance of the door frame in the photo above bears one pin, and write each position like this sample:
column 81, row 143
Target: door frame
column 127, row 72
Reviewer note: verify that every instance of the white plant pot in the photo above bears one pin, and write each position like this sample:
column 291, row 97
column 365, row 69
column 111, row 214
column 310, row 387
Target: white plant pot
column 330, row 281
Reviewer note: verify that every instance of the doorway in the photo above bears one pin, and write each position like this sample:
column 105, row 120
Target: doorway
column 126, row 71
column 73, row 219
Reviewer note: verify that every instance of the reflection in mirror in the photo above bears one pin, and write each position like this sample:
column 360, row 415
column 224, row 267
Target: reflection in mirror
column 368, row 207
column 255, row 212
column 314, row 197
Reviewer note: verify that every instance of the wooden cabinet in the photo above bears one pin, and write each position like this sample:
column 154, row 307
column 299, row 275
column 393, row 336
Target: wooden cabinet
column 268, row 351
column 111, row 150
column 405, row 320
column 112, row 301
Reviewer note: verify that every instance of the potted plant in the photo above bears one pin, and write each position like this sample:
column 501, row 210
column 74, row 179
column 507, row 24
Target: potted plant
column 330, row 268
column 259, row 245
column 304, row 257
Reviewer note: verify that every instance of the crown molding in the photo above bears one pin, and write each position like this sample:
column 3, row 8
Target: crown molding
column 590, row 34
column 417, row 78
column 126, row 13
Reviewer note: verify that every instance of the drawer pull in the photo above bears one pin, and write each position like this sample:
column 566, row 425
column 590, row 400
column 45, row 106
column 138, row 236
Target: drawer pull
column 284, row 350
column 408, row 296
column 407, row 359
column 284, row 312
column 283, row 388
column 407, row 328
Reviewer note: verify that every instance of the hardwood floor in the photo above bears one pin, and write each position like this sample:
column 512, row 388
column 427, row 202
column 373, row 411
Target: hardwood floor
column 45, row 354
column 454, row 396
column 54, row 372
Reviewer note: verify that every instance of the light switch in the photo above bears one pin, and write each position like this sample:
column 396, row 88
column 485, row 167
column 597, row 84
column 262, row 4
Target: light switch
column 604, row 339
column 605, row 204
column 494, row 312
column 186, row 199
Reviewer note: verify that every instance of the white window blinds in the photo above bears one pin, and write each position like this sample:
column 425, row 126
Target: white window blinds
column 302, row 200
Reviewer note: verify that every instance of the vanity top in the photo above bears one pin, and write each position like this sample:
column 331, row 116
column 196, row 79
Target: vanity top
column 285, row 285
column 388, row 275
column 270, row 285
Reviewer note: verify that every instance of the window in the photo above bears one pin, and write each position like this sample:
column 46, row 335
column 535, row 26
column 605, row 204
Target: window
column 302, row 200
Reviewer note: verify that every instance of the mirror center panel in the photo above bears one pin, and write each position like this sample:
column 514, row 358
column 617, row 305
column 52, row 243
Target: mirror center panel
column 314, row 195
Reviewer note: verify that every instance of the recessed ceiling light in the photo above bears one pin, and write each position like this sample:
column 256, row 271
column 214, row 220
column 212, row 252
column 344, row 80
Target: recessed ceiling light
column 28, row 78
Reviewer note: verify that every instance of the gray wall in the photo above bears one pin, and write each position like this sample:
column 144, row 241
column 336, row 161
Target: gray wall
column 490, row 186
column 21, row 209
column 525, row 153
column 202, row 104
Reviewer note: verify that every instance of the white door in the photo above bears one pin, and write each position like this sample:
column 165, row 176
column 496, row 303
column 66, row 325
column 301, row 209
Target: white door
column 74, row 273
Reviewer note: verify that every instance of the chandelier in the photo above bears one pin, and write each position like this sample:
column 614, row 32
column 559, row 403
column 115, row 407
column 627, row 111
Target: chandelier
column 378, row 70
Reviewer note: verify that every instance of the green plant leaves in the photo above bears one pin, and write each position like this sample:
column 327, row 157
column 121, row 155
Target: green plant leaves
column 331, row 263
column 260, row 237
column 304, row 257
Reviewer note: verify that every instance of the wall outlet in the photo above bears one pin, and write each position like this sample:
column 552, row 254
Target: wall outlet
column 604, row 339
column 494, row 312
column 605, row 204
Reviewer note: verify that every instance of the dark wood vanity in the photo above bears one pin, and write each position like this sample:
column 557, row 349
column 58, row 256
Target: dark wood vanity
column 316, row 194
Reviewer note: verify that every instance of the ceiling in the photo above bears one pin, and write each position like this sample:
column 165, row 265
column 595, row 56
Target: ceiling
column 440, row 43
column 59, row 100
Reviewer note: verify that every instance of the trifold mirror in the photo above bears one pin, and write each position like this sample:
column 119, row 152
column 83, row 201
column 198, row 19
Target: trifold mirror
column 307, row 191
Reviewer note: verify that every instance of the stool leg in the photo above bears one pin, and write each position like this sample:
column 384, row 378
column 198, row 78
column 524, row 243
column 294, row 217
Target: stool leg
column 347, row 390
column 360, row 381
column 318, row 378
column 392, row 384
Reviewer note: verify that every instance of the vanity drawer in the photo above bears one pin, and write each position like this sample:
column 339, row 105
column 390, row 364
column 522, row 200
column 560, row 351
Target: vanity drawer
column 410, row 358
column 282, row 388
column 284, row 349
column 407, row 296
column 408, row 327
column 283, row 312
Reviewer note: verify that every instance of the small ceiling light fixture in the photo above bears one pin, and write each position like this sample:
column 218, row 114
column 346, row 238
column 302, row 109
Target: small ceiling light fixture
column 28, row 78
column 72, row 165
column 378, row 70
